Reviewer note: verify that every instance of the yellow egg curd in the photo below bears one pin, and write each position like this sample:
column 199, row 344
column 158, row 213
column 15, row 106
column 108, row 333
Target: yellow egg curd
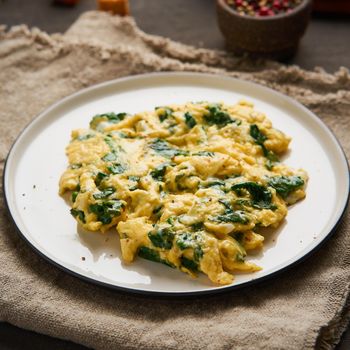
column 187, row 185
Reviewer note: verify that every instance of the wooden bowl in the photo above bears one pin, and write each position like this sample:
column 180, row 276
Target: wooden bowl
column 274, row 37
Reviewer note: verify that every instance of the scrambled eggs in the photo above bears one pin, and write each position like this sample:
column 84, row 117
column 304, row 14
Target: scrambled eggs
column 184, row 185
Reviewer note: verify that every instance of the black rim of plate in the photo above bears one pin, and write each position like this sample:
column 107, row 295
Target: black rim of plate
column 148, row 293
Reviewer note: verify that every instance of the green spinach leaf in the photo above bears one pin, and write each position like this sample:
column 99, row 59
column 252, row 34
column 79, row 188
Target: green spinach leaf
column 134, row 178
column 272, row 159
column 84, row 137
column 110, row 157
column 75, row 166
column 204, row 154
column 240, row 258
column 260, row 138
column 171, row 220
column 189, row 264
column 261, row 196
column 165, row 114
column 74, row 196
column 158, row 211
column 78, row 213
column 217, row 116
column 197, row 226
column 105, row 211
column 99, row 178
column 190, row 121
column 104, row 193
column 116, row 168
column 213, row 183
column 257, row 135
column 237, row 216
column 231, row 215
column 152, row 255
column 187, row 240
column 164, row 149
column 239, row 237
column 162, row 238
column 158, row 172
column 107, row 117
column 284, row 185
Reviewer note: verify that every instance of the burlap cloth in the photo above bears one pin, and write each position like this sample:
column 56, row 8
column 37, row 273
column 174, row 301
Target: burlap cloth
column 303, row 308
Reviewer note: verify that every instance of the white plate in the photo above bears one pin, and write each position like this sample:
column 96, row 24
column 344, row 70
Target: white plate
column 37, row 159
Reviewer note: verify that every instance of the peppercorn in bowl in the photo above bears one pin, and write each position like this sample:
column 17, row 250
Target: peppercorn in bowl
column 263, row 28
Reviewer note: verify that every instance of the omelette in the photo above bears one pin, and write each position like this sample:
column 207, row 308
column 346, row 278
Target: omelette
column 189, row 186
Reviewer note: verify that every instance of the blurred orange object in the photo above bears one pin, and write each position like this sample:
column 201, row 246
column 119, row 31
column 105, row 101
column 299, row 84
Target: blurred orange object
column 117, row 7
column 66, row 2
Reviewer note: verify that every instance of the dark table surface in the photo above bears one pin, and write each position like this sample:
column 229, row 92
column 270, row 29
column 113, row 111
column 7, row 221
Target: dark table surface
column 326, row 44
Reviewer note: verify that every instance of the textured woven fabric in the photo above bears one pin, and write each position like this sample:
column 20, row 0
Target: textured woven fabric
column 304, row 308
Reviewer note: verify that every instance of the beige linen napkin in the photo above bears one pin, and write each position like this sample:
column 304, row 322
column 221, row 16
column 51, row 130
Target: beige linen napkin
column 300, row 309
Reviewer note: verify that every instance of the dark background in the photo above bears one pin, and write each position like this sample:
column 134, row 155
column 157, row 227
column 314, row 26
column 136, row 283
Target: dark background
column 326, row 44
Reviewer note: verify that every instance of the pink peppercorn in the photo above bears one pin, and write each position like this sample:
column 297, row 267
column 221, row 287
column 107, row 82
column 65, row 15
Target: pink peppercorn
column 263, row 7
column 276, row 5
column 264, row 11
